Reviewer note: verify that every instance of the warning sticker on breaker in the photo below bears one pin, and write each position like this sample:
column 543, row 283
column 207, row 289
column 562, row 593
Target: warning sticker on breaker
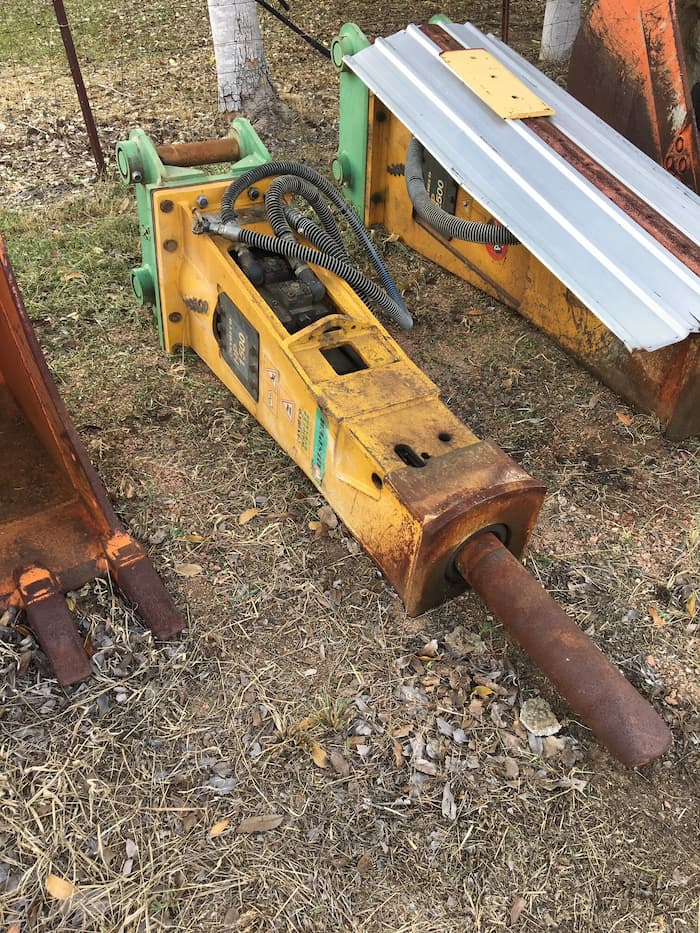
column 271, row 387
column 303, row 429
column 288, row 408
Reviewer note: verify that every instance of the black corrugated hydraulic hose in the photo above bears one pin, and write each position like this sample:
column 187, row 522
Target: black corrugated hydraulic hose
column 253, row 175
column 292, row 249
column 281, row 215
column 312, row 232
column 447, row 224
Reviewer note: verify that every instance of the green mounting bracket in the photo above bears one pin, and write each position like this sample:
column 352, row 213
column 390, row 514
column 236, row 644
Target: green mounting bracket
column 140, row 165
column 350, row 163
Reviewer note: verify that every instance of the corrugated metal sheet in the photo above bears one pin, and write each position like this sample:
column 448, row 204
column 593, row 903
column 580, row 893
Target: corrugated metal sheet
column 670, row 197
column 639, row 289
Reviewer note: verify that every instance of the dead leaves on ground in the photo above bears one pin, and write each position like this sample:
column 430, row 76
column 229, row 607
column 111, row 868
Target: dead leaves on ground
column 260, row 824
column 516, row 909
column 327, row 521
column 319, row 755
column 449, row 805
column 340, row 763
column 188, row 570
column 218, row 828
column 483, row 731
column 657, row 619
column 59, row 888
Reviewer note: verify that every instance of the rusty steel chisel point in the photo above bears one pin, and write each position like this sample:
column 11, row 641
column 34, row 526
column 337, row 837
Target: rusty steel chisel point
column 608, row 703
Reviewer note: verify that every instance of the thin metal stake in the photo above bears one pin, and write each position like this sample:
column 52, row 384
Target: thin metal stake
column 90, row 126
column 505, row 20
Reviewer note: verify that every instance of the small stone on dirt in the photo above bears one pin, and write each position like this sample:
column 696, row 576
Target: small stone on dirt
column 461, row 642
column 537, row 717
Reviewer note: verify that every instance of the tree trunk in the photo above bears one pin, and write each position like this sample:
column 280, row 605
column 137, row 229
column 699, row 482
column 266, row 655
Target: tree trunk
column 241, row 68
column 562, row 19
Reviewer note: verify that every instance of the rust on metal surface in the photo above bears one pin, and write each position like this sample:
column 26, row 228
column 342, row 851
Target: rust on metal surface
column 452, row 498
column 618, row 715
column 84, row 100
column 56, row 523
column 443, row 40
column 51, row 622
column 642, row 213
column 142, row 586
column 629, row 66
column 204, row 152
column 650, row 220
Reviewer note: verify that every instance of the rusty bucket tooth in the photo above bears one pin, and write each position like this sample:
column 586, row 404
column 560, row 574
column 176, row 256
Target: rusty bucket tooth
column 57, row 528
column 49, row 618
column 138, row 581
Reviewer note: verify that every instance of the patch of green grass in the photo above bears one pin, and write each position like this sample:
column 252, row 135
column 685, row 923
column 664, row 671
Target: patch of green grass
column 72, row 258
column 329, row 713
column 72, row 261
column 101, row 32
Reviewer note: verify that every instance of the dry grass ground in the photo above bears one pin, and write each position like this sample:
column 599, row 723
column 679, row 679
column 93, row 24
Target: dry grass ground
column 433, row 811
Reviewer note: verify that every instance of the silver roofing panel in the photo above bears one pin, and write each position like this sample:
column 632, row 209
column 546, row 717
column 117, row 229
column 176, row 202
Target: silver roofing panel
column 646, row 178
column 640, row 290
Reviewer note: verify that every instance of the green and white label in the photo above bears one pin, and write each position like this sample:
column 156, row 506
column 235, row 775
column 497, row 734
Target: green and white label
column 320, row 448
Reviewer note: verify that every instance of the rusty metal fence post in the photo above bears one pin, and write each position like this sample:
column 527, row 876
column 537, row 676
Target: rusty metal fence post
column 90, row 125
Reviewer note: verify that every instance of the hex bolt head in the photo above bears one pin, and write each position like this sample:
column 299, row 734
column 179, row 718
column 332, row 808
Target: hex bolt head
column 253, row 193
column 175, row 317
column 170, row 245
column 166, row 206
column 202, row 201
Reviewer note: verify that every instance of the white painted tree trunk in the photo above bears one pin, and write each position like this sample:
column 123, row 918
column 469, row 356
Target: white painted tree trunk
column 562, row 19
column 241, row 68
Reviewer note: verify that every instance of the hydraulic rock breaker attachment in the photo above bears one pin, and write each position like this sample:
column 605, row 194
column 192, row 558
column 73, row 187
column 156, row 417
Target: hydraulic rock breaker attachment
column 604, row 254
column 57, row 528
column 630, row 65
column 309, row 360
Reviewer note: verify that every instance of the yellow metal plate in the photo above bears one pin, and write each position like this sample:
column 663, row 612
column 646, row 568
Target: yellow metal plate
column 505, row 94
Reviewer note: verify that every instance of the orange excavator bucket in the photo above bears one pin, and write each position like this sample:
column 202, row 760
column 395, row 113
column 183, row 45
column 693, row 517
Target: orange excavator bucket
column 57, row 528
column 635, row 64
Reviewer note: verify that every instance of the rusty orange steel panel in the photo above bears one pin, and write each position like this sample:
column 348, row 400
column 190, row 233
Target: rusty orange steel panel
column 57, row 528
column 629, row 65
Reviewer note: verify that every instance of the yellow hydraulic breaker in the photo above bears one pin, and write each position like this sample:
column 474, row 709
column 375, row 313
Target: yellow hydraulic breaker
column 282, row 324
column 57, row 528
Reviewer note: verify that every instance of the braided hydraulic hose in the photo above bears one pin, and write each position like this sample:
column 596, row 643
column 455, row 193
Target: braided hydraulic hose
column 448, row 225
column 291, row 249
column 228, row 214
